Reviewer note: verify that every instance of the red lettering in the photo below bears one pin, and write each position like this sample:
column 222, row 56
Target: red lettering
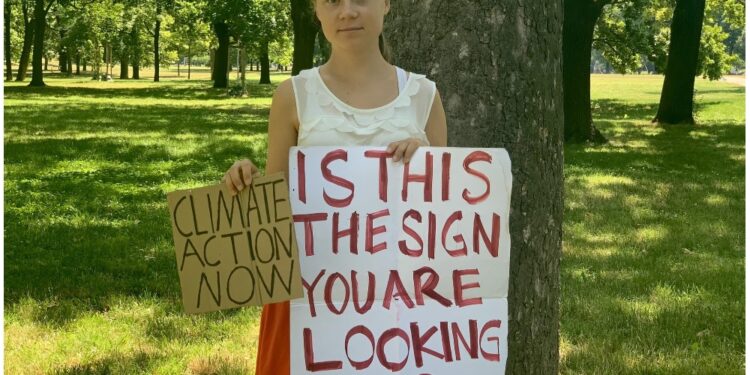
column 352, row 232
column 425, row 178
column 370, row 232
column 419, row 342
column 445, row 338
column 384, row 338
column 459, row 287
column 493, row 245
column 431, row 235
column 301, row 181
column 308, row 219
column 472, row 157
column 362, row 330
column 382, row 172
column 494, row 357
column 413, row 234
column 370, row 292
column 458, row 238
column 344, row 183
column 446, row 176
column 310, row 288
column 428, row 288
column 329, row 289
column 310, row 363
column 472, row 346
column 394, row 282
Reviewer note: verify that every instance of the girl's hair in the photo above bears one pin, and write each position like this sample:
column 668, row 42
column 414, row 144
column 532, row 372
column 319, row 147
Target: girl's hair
column 382, row 44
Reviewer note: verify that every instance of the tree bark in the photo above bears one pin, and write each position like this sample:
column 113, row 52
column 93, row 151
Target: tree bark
column 305, row 30
column 78, row 64
column 157, row 29
column 40, row 23
column 496, row 96
column 136, row 53
column 578, row 35
column 8, row 63
column 124, row 62
column 265, row 65
column 221, row 60
column 676, row 103
column 190, row 55
column 28, row 42
column 70, row 64
column 62, row 51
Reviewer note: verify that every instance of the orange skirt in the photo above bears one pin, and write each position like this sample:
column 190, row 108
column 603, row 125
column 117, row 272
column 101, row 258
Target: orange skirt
column 273, row 344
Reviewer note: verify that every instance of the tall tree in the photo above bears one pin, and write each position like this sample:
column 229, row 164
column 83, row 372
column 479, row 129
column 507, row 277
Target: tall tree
column 581, row 17
column 40, row 24
column 676, row 103
column 305, row 29
column 221, row 61
column 496, row 97
column 8, row 64
column 28, row 39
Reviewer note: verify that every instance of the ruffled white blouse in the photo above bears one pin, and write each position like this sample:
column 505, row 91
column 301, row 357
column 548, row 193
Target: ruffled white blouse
column 325, row 120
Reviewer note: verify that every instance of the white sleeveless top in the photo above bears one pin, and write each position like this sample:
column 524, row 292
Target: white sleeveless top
column 325, row 120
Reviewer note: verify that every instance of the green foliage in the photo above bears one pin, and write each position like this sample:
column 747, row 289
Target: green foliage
column 629, row 30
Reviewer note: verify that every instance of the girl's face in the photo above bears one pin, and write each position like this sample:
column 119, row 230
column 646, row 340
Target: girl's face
column 351, row 23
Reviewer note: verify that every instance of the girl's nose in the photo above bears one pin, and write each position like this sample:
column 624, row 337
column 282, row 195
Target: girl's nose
column 347, row 10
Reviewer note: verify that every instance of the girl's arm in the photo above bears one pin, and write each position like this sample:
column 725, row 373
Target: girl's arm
column 436, row 130
column 282, row 129
column 282, row 134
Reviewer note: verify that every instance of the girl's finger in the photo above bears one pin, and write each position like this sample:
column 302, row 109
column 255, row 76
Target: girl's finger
column 234, row 175
column 398, row 154
column 410, row 149
column 247, row 173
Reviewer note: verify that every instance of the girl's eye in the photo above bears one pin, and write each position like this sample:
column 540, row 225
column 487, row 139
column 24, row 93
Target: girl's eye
column 331, row 2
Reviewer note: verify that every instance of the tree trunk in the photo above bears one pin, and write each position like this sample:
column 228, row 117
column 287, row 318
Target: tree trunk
column 512, row 98
column 157, row 29
column 221, row 60
column 305, row 29
column 28, row 42
column 676, row 104
column 78, row 64
column 40, row 23
column 85, row 66
column 45, row 63
column 124, row 62
column 136, row 56
column 8, row 61
column 70, row 64
column 62, row 51
column 190, row 55
column 265, row 66
column 578, row 34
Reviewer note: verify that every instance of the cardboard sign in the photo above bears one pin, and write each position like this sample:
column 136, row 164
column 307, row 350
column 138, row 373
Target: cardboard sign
column 404, row 267
column 235, row 250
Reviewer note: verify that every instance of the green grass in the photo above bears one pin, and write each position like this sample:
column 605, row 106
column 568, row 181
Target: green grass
column 653, row 257
column 652, row 270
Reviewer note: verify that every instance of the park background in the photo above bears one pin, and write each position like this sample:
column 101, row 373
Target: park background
column 638, row 266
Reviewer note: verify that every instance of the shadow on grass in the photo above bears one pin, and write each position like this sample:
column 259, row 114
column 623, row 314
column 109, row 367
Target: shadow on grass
column 86, row 215
column 653, row 246
column 137, row 363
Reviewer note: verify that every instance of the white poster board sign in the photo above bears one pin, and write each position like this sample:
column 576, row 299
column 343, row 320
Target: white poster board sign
column 404, row 267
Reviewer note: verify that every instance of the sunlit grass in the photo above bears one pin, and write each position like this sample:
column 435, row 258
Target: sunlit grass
column 652, row 269
column 653, row 257
column 90, row 278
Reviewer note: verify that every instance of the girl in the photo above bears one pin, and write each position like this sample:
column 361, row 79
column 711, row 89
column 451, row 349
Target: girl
column 355, row 98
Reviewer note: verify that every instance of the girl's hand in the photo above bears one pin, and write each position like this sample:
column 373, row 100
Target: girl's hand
column 240, row 175
column 404, row 149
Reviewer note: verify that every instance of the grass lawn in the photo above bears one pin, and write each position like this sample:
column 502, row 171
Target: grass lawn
column 652, row 274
